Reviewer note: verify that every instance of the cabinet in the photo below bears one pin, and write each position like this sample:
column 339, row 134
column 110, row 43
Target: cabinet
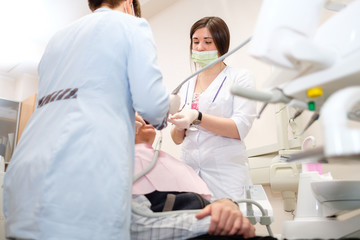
column 13, row 119
column 9, row 115
column 27, row 108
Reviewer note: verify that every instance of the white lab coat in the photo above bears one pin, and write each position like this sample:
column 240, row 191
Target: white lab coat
column 71, row 175
column 220, row 161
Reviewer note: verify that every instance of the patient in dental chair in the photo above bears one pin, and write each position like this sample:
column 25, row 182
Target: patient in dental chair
column 219, row 218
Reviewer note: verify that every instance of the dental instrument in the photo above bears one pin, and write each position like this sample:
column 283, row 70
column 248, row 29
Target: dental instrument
column 153, row 162
column 315, row 116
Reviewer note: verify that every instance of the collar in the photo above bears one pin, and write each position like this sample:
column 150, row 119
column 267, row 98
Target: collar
column 102, row 10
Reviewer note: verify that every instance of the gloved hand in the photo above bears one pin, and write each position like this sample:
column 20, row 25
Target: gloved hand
column 138, row 125
column 174, row 103
column 184, row 119
column 139, row 122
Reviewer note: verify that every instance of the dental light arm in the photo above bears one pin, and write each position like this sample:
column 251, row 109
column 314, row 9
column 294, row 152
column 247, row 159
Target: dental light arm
column 283, row 26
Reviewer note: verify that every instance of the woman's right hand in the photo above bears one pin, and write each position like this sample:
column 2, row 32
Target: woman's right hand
column 139, row 122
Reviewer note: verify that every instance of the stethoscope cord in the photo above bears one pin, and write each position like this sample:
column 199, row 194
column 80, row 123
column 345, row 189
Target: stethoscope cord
column 177, row 89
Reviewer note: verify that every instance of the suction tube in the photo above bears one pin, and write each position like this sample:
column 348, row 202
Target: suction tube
column 153, row 162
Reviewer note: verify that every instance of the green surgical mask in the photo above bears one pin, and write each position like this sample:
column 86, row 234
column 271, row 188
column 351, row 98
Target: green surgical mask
column 205, row 57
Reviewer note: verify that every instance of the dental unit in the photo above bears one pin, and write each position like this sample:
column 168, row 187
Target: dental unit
column 327, row 83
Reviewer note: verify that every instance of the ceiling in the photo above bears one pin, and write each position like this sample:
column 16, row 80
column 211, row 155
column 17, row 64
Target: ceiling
column 26, row 26
column 152, row 7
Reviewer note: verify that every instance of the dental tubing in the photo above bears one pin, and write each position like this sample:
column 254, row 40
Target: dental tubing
column 153, row 162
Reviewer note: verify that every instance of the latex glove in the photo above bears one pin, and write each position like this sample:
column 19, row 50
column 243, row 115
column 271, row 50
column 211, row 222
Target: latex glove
column 174, row 103
column 138, row 125
column 139, row 122
column 184, row 119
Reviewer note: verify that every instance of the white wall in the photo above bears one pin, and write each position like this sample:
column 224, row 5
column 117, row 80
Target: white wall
column 7, row 87
column 26, row 86
column 18, row 89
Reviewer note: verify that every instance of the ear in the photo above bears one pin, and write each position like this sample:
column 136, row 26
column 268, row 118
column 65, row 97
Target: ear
column 128, row 4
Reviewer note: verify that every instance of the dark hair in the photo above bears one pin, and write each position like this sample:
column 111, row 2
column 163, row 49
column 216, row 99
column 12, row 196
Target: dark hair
column 95, row 4
column 218, row 30
column 137, row 8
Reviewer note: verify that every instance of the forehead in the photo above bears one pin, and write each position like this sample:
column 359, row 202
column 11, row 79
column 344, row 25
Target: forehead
column 202, row 33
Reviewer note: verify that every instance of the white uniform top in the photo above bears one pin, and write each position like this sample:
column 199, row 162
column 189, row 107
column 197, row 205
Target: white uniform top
column 71, row 175
column 220, row 161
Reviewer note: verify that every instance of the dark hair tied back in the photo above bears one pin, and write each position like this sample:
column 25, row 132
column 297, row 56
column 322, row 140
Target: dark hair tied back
column 95, row 4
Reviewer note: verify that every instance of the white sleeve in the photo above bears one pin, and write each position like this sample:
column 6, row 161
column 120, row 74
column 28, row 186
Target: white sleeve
column 244, row 110
column 150, row 97
column 175, row 226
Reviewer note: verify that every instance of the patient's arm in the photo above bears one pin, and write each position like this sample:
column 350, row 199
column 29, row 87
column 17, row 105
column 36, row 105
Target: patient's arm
column 227, row 219
column 174, row 226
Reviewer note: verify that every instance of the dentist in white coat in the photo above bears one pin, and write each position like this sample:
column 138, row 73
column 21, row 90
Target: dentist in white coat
column 70, row 176
column 213, row 122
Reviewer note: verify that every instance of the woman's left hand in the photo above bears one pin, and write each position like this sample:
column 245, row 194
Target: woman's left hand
column 183, row 119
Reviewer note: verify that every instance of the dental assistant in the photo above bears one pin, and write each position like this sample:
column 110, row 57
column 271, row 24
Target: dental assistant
column 213, row 123
column 70, row 176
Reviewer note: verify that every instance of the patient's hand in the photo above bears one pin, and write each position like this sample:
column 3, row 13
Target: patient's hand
column 227, row 219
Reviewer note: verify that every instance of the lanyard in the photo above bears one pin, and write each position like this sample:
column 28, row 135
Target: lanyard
column 217, row 92
column 219, row 89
